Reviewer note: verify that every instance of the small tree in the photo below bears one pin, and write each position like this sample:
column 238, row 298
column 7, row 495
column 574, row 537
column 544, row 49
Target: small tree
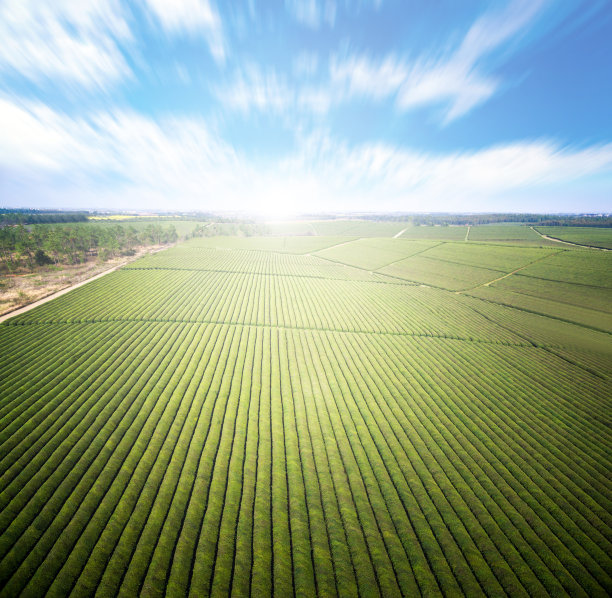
column 41, row 258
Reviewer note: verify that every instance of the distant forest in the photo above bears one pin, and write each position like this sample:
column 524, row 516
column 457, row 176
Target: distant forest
column 476, row 219
column 32, row 216
column 24, row 248
column 8, row 216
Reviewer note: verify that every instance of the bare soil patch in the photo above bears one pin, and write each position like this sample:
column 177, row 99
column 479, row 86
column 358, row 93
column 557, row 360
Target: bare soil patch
column 18, row 290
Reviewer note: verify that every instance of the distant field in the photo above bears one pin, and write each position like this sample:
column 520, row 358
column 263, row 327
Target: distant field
column 314, row 416
column 290, row 227
column 596, row 237
column 292, row 244
column 358, row 228
column 513, row 234
column 374, row 253
column 504, row 233
column 443, row 233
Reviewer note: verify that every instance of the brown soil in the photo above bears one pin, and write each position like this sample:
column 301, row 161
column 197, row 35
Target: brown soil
column 17, row 290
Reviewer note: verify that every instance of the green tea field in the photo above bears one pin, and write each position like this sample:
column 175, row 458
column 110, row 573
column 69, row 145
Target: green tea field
column 358, row 414
column 595, row 237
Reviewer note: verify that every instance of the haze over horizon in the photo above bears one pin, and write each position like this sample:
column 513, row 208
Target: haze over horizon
column 307, row 105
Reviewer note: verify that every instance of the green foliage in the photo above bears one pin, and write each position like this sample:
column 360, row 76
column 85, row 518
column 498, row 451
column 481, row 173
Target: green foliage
column 594, row 237
column 233, row 416
column 22, row 247
column 373, row 254
column 41, row 258
column 14, row 217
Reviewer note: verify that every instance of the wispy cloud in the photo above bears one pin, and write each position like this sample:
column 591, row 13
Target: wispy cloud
column 84, row 44
column 265, row 90
column 255, row 89
column 192, row 17
column 305, row 64
column 313, row 13
column 390, row 177
column 362, row 76
column 173, row 157
column 458, row 80
column 181, row 160
column 65, row 41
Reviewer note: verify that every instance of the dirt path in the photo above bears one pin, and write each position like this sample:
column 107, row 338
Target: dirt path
column 334, row 246
column 29, row 306
column 400, row 233
column 467, row 234
column 25, row 308
column 567, row 242
column 486, row 284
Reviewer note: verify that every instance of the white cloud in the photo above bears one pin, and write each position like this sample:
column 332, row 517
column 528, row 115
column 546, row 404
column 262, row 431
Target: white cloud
column 312, row 13
column 80, row 43
column 73, row 42
column 386, row 177
column 457, row 80
column 193, row 17
column 362, row 76
column 255, row 89
column 180, row 162
column 252, row 88
column 305, row 64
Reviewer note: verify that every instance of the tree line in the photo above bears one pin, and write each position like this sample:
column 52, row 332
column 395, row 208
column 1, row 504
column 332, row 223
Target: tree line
column 598, row 220
column 9, row 217
column 26, row 247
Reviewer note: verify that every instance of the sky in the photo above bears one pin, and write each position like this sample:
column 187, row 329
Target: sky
column 302, row 106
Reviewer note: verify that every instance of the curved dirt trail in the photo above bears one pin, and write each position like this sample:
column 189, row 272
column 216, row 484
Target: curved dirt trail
column 567, row 242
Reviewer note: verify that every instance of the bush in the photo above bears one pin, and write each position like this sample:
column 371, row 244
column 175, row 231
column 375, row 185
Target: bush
column 41, row 258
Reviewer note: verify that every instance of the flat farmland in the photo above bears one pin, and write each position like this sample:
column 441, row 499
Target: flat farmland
column 317, row 416
column 592, row 236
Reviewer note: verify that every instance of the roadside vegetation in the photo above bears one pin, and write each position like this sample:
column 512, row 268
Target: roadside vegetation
column 25, row 248
column 38, row 260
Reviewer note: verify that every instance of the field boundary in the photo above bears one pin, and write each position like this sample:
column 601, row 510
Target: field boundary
column 20, row 310
column 535, row 230
column 486, row 284
column 538, row 313
column 406, row 258
column 283, row 327
column 25, row 308
column 338, row 245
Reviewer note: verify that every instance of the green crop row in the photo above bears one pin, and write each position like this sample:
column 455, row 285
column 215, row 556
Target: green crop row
column 242, row 422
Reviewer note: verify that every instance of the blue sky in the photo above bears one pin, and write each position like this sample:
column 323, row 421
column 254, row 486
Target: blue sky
column 307, row 105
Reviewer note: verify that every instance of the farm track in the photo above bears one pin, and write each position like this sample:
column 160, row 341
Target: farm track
column 490, row 282
column 29, row 306
column 26, row 308
column 257, row 432
column 568, row 242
